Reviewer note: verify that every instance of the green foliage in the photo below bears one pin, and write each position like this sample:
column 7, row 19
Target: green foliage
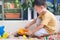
column 0, row 9
column 19, row 5
column 28, row 5
column 12, row 10
column 49, row 6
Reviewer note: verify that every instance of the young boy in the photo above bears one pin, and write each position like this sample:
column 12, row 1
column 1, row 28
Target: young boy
column 46, row 20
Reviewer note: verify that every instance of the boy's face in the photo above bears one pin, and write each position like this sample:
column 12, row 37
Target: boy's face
column 39, row 9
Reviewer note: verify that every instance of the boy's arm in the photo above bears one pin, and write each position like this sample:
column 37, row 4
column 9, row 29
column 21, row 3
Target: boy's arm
column 31, row 23
column 43, row 22
column 37, row 28
column 31, row 32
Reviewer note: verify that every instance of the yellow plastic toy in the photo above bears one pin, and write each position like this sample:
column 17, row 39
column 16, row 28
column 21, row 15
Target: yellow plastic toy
column 0, row 37
column 22, row 31
column 31, row 38
column 24, row 36
column 5, row 35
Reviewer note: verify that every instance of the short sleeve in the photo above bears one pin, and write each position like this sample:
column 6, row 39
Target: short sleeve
column 45, row 20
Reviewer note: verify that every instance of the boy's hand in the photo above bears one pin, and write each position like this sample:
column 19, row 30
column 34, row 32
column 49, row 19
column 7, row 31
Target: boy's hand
column 29, row 33
column 26, row 27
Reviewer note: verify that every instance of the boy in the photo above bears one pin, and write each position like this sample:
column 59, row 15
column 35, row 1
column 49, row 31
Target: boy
column 46, row 20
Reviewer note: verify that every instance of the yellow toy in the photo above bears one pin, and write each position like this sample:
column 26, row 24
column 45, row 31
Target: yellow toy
column 5, row 35
column 0, row 37
column 22, row 31
column 31, row 38
column 24, row 36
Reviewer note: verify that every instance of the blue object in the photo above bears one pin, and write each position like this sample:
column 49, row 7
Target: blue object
column 58, row 1
column 1, row 30
column 52, row 1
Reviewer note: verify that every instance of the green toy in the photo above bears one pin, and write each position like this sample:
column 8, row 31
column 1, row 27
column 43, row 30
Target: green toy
column 46, row 38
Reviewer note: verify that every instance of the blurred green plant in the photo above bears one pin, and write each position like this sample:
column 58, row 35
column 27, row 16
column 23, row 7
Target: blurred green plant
column 19, row 5
column 58, row 9
column 50, row 6
column 0, row 9
column 28, row 4
column 12, row 11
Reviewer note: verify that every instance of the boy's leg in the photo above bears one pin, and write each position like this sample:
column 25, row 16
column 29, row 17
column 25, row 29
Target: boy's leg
column 40, row 32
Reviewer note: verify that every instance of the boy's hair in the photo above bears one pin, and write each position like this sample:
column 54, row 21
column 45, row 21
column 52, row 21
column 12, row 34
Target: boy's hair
column 39, row 2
